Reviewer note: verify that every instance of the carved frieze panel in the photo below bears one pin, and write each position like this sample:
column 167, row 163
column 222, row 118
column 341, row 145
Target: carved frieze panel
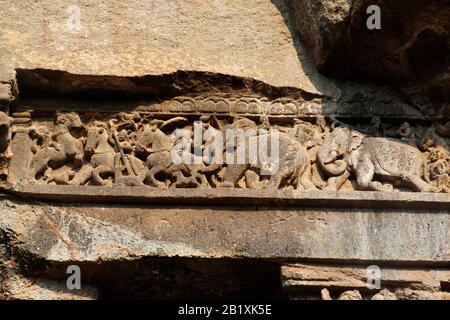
column 185, row 150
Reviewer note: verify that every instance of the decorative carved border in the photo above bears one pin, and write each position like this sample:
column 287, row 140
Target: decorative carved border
column 247, row 106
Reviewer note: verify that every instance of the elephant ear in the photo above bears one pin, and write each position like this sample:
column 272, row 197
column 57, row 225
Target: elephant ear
column 356, row 141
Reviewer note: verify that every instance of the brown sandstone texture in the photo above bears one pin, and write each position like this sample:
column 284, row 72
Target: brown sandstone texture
column 132, row 72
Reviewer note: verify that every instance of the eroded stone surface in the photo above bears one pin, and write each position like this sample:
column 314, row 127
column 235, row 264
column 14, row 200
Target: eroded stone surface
column 413, row 40
column 89, row 233
column 17, row 287
column 155, row 37
column 357, row 283
column 238, row 63
column 45, row 238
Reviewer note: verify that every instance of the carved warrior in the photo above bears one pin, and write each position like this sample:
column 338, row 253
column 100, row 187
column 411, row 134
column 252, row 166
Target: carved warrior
column 157, row 147
column 62, row 146
column 369, row 158
column 100, row 152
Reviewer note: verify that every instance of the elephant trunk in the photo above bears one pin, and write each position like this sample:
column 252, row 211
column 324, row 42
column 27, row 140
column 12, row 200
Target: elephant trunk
column 330, row 164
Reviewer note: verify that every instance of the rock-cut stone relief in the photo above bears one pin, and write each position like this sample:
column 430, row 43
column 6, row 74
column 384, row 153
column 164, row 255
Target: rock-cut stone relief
column 5, row 138
column 143, row 149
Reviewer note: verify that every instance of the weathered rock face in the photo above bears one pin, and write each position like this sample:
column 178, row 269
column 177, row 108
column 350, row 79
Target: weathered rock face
column 350, row 283
column 250, row 40
column 92, row 98
column 413, row 42
column 322, row 25
column 165, row 251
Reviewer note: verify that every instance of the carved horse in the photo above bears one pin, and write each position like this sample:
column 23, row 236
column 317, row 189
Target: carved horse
column 100, row 152
column 157, row 147
column 64, row 146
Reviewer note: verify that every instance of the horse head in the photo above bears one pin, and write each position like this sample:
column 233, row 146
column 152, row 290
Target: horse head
column 94, row 135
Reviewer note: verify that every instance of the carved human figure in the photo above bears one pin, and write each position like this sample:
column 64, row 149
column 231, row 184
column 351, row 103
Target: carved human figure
column 155, row 146
column 124, row 161
column 438, row 173
column 65, row 145
column 100, row 152
column 311, row 137
column 388, row 160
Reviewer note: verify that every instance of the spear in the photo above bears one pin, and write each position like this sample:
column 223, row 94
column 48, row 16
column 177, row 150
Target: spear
column 124, row 158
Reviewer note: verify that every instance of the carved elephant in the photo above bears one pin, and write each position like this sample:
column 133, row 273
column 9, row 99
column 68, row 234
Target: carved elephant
column 347, row 151
column 293, row 165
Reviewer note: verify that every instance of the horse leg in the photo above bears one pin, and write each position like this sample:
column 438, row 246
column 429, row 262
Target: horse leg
column 82, row 176
column 252, row 180
column 103, row 169
column 151, row 176
column 203, row 181
column 38, row 164
column 41, row 160
column 57, row 159
column 233, row 173
column 197, row 178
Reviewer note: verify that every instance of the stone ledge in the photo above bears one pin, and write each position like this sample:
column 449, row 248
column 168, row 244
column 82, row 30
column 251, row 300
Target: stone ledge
column 350, row 282
column 301, row 276
column 234, row 196
column 83, row 232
